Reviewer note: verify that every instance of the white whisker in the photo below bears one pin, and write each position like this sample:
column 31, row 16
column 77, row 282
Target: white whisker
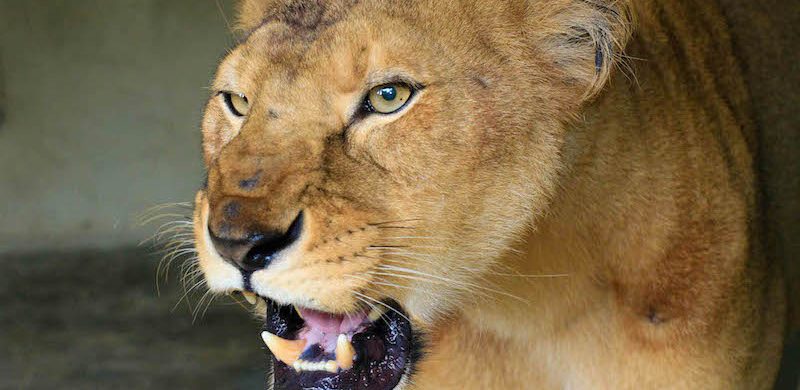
column 382, row 304
column 448, row 280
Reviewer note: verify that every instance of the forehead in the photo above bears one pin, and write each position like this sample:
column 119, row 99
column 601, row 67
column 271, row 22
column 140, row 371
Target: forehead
column 307, row 18
column 324, row 39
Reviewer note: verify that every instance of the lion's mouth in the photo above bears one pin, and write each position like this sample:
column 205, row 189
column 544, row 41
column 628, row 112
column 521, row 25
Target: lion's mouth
column 367, row 350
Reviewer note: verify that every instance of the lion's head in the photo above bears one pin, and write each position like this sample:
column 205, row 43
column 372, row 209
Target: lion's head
column 371, row 158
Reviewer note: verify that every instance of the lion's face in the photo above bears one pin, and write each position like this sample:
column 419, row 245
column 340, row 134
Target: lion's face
column 371, row 156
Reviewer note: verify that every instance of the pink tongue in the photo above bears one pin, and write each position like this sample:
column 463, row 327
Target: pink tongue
column 324, row 328
column 332, row 323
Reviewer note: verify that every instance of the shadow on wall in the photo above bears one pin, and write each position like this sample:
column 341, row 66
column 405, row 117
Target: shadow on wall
column 94, row 320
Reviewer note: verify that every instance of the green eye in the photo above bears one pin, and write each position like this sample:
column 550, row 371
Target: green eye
column 237, row 103
column 388, row 98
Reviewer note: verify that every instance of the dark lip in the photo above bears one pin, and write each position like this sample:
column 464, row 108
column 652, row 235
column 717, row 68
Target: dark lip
column 385, row 352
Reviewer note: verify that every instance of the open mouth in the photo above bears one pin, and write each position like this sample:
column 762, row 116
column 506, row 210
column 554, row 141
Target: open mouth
column 367, row 350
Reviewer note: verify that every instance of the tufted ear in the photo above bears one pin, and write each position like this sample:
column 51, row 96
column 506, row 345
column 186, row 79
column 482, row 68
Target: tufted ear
column 584, row 38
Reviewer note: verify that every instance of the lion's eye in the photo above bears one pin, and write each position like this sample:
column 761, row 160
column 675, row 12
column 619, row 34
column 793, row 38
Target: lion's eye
column 388, row 98
column 237, row 103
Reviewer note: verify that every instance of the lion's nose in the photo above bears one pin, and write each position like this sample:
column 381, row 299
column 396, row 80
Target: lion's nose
column 258, row 249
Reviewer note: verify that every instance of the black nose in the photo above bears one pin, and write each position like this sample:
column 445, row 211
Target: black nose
column 259, row 248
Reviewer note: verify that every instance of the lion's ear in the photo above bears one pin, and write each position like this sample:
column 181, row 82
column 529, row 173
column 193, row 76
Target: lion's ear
column 584, row 38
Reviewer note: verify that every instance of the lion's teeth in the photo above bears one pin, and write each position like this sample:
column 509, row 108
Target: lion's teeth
column 250, row 297
column 284, row 350
column 377, row 312
column 303, row 365
column 344, row 352
column 297, row 309
column 331, row 366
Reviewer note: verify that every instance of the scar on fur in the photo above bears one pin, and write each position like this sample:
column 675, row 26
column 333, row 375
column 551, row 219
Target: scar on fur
column 654, row 317
column 251, row 183
column 481, row 80
column 232, row 210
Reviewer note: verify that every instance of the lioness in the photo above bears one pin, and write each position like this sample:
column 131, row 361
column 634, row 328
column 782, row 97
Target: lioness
column 490, row 195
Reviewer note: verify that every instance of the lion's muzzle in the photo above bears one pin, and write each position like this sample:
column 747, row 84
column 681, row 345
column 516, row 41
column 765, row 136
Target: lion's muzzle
column 256, row 249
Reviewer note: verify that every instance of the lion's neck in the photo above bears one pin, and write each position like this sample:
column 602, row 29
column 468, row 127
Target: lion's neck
column 634, row 198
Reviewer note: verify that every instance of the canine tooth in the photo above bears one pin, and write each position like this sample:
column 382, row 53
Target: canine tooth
column 375, row 313
column 298, row 312
column 284, row 350
column 250, row 297
column 331, row 366
column 344, row 352
column 296, row 365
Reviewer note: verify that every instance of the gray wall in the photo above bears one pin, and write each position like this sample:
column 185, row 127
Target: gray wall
column 101, row 103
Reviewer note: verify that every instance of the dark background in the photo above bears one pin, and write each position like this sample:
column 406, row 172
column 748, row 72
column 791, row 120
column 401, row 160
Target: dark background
column 100, row 102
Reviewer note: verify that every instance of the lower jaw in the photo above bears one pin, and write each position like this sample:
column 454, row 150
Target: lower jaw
column 384, row 354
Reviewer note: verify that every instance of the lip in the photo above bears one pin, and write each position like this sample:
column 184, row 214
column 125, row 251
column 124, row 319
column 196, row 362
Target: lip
column 382, row 344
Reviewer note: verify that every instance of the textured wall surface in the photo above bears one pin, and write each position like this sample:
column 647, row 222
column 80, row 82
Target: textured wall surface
column 766, row 33
column 102, row 103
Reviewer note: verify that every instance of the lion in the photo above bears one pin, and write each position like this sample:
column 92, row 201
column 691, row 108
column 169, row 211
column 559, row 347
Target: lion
column 525, row 194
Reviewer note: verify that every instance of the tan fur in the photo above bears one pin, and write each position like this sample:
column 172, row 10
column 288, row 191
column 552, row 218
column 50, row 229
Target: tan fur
column 555, row 223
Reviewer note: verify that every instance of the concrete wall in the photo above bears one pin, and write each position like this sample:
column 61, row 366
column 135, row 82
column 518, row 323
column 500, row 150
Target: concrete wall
column 101, row 103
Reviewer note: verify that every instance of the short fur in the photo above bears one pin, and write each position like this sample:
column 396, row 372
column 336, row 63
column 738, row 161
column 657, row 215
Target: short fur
column 570, row 202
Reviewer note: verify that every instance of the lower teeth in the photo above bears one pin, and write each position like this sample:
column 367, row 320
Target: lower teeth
column 330, row 366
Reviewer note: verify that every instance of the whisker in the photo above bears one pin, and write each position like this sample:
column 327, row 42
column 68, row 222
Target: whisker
column 395, row 221
column 371, row 306
column 415, row 272
column 395, row 227
column 156, row 217
column 382, row 304
column 381, row 282
column 186, row 293
column 200, row 304
column 531, row 276
column 415, row 238
column 151, row 211
column 210, row 301
column 174, row 241
column 406, row 246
